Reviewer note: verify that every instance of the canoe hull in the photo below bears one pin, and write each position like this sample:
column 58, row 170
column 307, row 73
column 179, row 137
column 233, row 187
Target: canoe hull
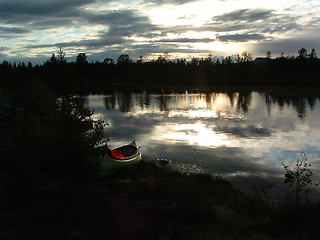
column 110, row 165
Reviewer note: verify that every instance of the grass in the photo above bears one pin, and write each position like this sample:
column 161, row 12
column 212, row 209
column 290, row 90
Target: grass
column 148, row 202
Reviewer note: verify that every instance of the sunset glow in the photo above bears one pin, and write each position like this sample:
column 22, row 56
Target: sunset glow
column 185, row 29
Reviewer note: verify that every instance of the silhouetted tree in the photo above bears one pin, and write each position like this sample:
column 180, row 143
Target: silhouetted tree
column 226, row 60
column 53, row 59
column 29, row 65
column 194, row 61
column 108, row 61
column 140, row 59
column 61, row 55
column 313, row 54
column 163, row 58
column 209, row 58
column 246, row 57
column 181, row 61
column 268, row 55
column 81, row 58
column 302, row 53
column 238, row 59
column 286, row 70
column 6, row 64
column 124, row 59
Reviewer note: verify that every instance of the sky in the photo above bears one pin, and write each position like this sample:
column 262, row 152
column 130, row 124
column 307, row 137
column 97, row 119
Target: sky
column 32, row 30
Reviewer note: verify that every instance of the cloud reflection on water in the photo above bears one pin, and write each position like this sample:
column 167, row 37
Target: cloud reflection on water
column 231, row 134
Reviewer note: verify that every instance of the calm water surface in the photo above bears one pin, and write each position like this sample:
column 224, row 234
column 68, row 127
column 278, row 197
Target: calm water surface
column 244, row 137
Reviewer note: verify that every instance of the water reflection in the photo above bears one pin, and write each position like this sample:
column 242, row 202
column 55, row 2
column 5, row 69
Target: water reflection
column 241, row 135
column 300, row 104
column 127, row 102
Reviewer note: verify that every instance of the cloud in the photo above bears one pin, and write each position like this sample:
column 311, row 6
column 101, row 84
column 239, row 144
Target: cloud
column 174, row 2
column 185, row 40
column 13, row 30
column 116, row 17
column 171, row 2
column 2, row 54
column 120, row 26
column 246, row 15
column 42, row 15
column 254, row 24
column 19, row 10
column 240, row 37
column 288, row 45
column 100, row 27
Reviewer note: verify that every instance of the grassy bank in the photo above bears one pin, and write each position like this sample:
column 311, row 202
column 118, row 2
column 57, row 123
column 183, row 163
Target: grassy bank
column 148, row 202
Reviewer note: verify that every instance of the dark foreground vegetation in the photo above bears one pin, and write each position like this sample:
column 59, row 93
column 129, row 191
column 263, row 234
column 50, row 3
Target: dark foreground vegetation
column 301, row 70
column 148, row 202
column 50, row 186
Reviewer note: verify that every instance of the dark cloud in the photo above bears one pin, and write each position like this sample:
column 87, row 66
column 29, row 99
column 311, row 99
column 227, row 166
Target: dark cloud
column 240, row 37
column 51, row 23
column 223, row 27
column 119, row 29
column 12, row 30
column 119, row 18
column 101, row 41
column 121, row 25
column 163, row 32
column 186, row 40
column 247, row 15
column 19, row 10
column 42, row 15
column 289, row 46
column 171, row 2
column 281, row 27
column 259, row 21
column 255, row 24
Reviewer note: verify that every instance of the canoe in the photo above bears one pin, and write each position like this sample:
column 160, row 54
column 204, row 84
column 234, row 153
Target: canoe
column 120, row 158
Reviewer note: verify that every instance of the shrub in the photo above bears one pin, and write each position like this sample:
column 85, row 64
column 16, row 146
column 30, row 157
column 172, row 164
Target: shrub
column 58, row 138
column 300, row 177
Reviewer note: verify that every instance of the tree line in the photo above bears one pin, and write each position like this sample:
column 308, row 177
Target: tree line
column 239, row 70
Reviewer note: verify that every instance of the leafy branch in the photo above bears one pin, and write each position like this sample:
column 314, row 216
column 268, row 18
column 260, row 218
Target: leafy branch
column 300, row 177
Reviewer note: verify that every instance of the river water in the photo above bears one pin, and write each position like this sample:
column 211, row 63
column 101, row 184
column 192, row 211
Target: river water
column 241, row 136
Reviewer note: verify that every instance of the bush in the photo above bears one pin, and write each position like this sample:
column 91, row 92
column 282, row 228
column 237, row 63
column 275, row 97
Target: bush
column 300, row 177
column 57, row 138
